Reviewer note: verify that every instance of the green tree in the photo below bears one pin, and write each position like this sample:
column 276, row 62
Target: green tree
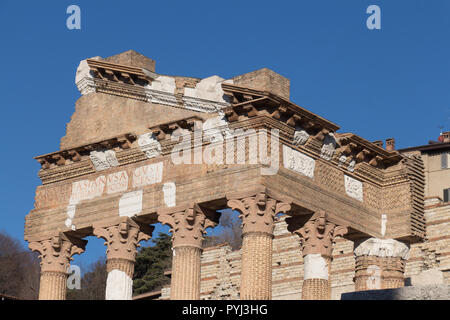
column 151, row 262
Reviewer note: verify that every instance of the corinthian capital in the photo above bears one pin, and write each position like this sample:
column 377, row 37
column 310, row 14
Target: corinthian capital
column 188, row 223
column 122, row 236
column 318, row 235
column 258, row 212
column 56, row 251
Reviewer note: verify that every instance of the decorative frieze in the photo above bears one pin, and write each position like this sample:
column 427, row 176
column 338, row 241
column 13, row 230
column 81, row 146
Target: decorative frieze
column 299, row 162
column 147, row 175
column 353, row 188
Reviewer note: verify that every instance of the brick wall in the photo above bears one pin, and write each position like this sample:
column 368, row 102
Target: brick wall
column 266, row 80
column 221, row 267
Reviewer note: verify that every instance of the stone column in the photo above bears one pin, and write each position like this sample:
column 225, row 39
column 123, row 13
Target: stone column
column 188, row 225
column 380, row 264
column 122, row 236
column 258, row 214
column 317, row 237
column 55, row 253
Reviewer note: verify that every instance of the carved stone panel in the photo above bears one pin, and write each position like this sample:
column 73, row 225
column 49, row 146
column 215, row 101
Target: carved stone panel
column 354, row 188
column 299, row 162
column 103, row 160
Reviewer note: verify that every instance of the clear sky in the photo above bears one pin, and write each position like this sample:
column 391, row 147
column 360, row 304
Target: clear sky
column 392, row 82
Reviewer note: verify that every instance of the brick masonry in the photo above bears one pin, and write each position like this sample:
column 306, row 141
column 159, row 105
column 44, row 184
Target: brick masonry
column 221, row 267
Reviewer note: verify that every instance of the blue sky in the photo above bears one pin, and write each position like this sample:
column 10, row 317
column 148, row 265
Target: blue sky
column 392, row 82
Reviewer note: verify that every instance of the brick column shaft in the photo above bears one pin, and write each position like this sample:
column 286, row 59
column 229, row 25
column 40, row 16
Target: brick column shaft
column 317, row 288
column 380, row 264
column 188, row 224
column 185, row 284
column 257, row 211
column 256, row 270
column 53, row 285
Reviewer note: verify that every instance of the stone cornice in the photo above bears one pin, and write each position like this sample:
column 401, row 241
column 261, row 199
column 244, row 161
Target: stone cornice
column 76, row 154
column 74, row 162
column 249, row 103
column 118, row 73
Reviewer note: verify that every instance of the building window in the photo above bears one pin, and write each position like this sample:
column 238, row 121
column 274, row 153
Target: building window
column 444, row 160
column 447, row 195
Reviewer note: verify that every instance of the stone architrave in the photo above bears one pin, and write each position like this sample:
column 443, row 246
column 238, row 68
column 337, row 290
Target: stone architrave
column 380, row 264
column 188, row 224
column 258, row 213
column 317, row 237
column 56, row 252
column 122, row 236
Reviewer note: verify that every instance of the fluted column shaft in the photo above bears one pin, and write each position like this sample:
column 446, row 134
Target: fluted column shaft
column 185, row 283
column 380, row 264
column 188, row 224
column 256, row 270
column 52, row 285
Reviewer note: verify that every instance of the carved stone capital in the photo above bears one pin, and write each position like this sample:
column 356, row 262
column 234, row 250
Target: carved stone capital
column 383, row 248
column 318, row 235
column 122, row 236
column 56, row 251
column 188, row 224
column 258, row 212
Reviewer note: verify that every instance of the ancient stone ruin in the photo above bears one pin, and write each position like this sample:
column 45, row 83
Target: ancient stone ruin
column 143, row 148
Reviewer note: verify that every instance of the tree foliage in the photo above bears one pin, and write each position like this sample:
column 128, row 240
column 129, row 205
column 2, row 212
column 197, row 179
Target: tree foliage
column 19, row 269
column 93, row 283
column 229, row 230
column 151, row 262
